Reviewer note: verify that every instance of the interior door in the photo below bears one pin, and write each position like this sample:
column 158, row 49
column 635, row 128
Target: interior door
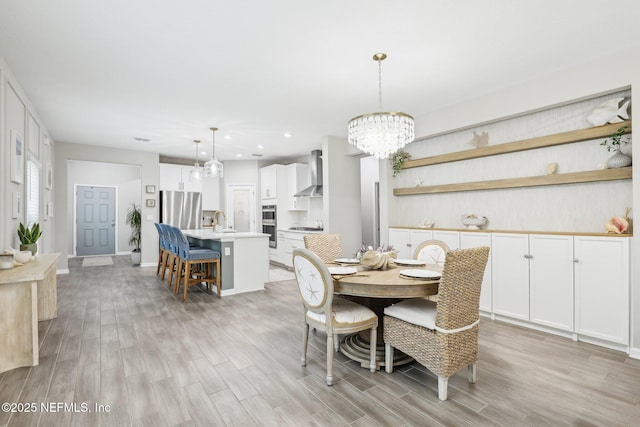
column 241, row 207
column 95, row 220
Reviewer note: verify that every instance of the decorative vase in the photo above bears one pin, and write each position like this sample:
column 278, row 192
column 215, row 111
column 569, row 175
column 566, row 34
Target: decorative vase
column 136, row 257
column 618, row 160
column 33, row 247
column 626, row 149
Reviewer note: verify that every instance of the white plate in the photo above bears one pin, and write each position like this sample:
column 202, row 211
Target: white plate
column 347, row 260
column 421, row 274
column 343, row 271
column 409, row 262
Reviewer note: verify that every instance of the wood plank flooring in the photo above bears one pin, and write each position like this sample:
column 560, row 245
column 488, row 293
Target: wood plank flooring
column 123, row 339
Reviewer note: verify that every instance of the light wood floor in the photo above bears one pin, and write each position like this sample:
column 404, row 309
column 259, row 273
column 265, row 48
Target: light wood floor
column 122, row 339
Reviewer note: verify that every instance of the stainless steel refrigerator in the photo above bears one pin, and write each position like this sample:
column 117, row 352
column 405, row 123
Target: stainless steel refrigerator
column 182, row 209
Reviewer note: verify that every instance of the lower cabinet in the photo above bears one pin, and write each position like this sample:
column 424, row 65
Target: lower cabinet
column 602, row 288
column 565, row 284
column 291, row 242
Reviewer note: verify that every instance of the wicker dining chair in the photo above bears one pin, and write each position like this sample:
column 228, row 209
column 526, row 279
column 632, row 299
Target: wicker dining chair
column 442, row 336
column 323, row 312
column 327, row 246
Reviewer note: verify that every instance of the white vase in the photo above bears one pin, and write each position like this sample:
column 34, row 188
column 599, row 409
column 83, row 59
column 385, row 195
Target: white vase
column 626, row 149
column 618, row 160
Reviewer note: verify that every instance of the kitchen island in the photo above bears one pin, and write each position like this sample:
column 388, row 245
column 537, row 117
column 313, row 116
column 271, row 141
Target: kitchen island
column 244, row 257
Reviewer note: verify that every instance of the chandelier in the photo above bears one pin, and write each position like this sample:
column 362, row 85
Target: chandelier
column 196, row 173
column 381, row 134
column 213, row 168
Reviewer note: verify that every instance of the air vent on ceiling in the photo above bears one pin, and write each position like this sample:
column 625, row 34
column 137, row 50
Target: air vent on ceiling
column 256, row 155
column 141, row 139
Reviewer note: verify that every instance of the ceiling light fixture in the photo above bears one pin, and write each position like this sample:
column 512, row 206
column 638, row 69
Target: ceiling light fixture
column 196, row 173
column 383, row 133
column 213, row 168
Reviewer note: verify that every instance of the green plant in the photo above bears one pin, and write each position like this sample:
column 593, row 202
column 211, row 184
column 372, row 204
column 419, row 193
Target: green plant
column 134, row 219
column 28, row 235
column 398, row 159
column 615, row 140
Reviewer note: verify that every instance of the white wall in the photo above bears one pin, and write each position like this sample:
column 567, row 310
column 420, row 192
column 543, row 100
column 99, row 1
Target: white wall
column 369, row 176
column 17, row 114
column 126, row 179
column 148, row 164
column 604, row 75
column 341, row 198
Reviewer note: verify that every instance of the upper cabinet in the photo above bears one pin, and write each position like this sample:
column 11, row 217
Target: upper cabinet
column 177, row 178
column 297, row 177
column 269, row 182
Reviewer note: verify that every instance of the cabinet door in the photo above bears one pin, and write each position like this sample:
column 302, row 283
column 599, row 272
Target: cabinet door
column 510, row 275
column 269, row 182
column 401, row 242
column 292, row 241
column 602, row 287
column 297, row 175
column 281, row 251
column 417, row 237
column 451, row 238
column 170, row 177
column 551, row 280
column 473, row 240
column 189, row 184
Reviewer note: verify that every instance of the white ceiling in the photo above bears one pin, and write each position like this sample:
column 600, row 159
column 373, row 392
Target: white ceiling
column 106, row 72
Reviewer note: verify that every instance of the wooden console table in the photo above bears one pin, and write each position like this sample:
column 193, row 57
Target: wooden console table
column 28, row 294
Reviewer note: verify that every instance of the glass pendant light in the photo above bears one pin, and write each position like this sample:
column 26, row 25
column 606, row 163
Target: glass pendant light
column 213, row 168
column 196, row 172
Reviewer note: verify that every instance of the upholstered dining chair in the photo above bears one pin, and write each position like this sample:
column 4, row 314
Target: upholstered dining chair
column 323, row 312
column 327, row 246
column 441, row 336
column 432, row 252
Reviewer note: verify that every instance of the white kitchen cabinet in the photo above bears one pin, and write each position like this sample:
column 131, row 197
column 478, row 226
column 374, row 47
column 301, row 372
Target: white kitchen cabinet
column 291, row 242
column 280, row 245
column 269, row 182
column 177, row 178
column 473, row 240
column 602, row 288
column 510, row 275
column 551, row 281
column 211, row 194
column 297, row 179
column 451, row 238
column 400, row 239
column 418, row 236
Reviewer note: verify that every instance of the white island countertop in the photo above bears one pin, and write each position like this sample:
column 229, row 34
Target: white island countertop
column 228, row 236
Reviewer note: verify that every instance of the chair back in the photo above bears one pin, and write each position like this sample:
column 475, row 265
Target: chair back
column 162, row 236
column 432, row 252
column 459, row 290
column 314, row 281
column 327, row 246
column 181, row 241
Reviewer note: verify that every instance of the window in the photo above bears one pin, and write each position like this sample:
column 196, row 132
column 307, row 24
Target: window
column 33, row 192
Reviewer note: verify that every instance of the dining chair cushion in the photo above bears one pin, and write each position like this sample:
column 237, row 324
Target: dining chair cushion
column 345, row 312
column 418, row 311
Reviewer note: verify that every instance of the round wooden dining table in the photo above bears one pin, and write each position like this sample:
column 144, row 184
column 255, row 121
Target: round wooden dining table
column 378, row 289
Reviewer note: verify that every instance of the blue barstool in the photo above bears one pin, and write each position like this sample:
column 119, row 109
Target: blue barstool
column 163, row 249
column 195, row 265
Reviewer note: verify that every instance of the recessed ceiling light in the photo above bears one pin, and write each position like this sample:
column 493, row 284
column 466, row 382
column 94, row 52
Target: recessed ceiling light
column 227, row 137
column 137, row 138
column 204, row 153
column 238, row 155
column 288, row 135
column 260, row 146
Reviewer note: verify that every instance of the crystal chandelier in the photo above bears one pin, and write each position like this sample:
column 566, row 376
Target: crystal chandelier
column 213, row 168
column 381, row 134
column 196, row 173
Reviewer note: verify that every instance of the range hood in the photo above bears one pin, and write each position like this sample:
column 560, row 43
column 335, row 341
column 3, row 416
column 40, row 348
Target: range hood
column 315, row 168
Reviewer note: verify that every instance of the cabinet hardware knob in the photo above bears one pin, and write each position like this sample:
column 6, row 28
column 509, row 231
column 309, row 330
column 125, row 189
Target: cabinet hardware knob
column 576, row 260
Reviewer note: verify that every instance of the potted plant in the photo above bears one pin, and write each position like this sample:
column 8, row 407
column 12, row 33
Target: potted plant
column 29, row 237
column 618, row 142
column 134, row 219
column 398, row 159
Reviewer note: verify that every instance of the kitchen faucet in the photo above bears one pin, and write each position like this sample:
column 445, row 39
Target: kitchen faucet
column 215, row 218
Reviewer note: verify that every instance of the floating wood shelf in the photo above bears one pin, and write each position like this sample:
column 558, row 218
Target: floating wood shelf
column 523, row 145
column 531, row 181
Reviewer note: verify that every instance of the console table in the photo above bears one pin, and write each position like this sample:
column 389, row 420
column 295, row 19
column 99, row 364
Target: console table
column 28, row 294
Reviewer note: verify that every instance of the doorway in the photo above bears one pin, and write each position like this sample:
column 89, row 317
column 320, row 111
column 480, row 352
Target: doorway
column 241, row 207
column 95, row 220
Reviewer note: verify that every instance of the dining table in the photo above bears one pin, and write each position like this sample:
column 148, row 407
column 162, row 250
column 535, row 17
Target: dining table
column 378, row 289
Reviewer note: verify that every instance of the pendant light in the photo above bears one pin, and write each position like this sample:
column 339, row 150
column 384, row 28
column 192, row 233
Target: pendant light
column 196, row 173
column 383, row 133
column 213, row 168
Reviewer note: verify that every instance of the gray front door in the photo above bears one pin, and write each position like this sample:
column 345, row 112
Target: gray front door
column 95, row 221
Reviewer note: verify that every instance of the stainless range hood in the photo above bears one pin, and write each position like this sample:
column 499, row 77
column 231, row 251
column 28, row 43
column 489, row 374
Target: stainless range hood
column 315, row 168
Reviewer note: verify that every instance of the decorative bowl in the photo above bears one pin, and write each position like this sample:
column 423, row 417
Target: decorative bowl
column 473, row 222
column 23, row 256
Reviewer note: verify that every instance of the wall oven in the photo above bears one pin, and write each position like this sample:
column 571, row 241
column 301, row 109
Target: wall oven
column 269, row 224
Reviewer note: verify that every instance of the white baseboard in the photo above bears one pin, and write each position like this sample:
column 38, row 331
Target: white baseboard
column 634, row 353
column 62, row 271
column 148, row 264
